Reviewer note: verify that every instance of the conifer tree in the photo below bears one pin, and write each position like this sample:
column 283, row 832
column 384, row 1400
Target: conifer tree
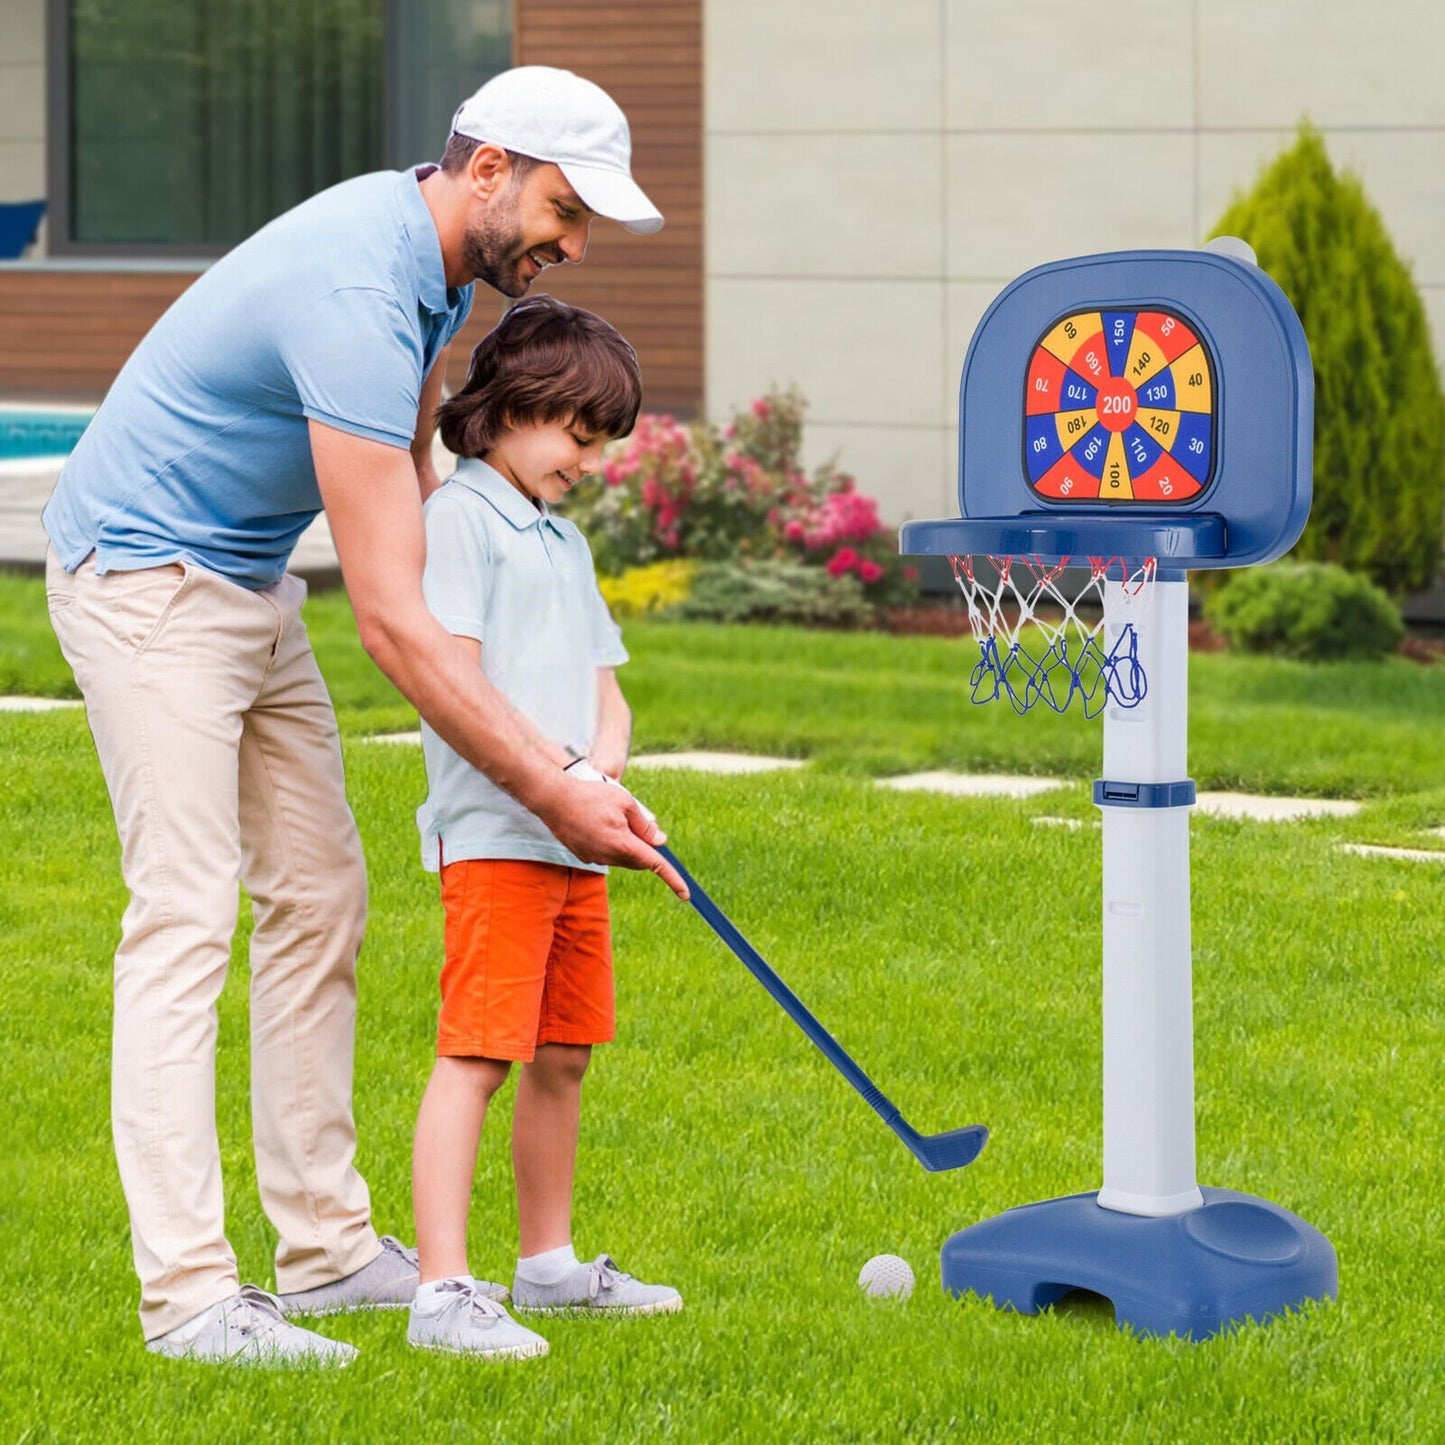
column 1379, row 465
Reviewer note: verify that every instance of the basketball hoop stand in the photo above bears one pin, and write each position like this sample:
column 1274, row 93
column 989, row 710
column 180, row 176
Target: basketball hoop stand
column 1173, row 1258
column 1137, row 405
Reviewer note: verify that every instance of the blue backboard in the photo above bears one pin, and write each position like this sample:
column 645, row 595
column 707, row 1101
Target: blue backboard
column 1134, row 404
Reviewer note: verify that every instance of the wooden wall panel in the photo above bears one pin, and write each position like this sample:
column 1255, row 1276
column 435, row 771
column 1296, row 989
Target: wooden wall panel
column 64, row 333
column 647, row 54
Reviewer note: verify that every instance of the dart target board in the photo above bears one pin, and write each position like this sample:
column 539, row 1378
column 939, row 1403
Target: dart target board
column 1133, row 404
column 1119, row 408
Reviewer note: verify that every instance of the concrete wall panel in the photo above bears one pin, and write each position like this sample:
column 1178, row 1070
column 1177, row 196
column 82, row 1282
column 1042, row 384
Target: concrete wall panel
column 861, row 206
column 1015, row 201
column 861, row 353
column 1336, row 61
column 1056, row 65
column 823, row 65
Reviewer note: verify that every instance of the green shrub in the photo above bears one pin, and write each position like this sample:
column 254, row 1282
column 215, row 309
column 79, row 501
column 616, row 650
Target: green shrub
column 1379, row 471
column 776, row 591
column 1315, row 611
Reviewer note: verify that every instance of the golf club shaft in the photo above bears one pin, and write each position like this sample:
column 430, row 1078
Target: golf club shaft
column 754, row 962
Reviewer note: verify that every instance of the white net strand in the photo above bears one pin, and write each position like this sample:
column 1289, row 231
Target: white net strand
column 1089, row 655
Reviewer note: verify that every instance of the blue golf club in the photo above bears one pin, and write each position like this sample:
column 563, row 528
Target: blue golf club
column 935, row 1152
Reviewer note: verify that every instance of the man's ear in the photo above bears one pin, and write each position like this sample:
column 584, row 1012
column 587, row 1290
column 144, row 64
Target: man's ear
column 489, row 169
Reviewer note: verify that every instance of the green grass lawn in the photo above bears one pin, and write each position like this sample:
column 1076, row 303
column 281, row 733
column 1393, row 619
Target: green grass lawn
column 953, row 948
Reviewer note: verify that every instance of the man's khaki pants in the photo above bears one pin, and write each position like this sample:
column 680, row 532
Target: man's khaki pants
column 219, row 747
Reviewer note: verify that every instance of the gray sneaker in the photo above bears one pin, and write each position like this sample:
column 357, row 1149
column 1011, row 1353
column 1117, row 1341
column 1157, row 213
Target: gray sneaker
column 596, row 1286
column 248, row 1329
column 387, row 1283
column 466, row 1321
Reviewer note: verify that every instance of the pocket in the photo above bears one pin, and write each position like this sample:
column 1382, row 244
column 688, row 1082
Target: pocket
column 59, row 585
column 138, row 604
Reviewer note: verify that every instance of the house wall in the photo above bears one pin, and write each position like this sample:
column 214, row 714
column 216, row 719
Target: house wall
column 848, row 184
column 875, row 174
column 22, row 100
column 66, row 327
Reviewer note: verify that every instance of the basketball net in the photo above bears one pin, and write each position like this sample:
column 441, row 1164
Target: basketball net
column 1037, row 648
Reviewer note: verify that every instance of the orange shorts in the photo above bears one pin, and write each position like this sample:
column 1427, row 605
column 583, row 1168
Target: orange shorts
column 528, row 959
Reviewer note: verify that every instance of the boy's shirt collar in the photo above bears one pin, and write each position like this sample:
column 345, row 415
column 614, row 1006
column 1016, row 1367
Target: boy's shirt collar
column 487, row 482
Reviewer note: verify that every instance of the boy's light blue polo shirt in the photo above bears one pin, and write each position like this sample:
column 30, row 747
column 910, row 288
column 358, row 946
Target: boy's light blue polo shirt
column 506, row 572
column 200, row 452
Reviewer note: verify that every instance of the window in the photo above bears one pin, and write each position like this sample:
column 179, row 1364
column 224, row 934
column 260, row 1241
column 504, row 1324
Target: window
column 437, row 53
column 180, row 128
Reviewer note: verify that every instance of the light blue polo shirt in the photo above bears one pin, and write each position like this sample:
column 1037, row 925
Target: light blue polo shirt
column 505, row 571
column 200, row 452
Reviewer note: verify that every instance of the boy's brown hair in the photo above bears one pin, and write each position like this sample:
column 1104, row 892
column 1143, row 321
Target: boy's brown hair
column 545, row 361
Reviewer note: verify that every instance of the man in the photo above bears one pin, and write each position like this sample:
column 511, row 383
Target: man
column 301, row 371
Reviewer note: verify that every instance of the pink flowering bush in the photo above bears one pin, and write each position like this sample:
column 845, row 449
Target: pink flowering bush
column 738, row 494
column 636, row 515
column 842, row 531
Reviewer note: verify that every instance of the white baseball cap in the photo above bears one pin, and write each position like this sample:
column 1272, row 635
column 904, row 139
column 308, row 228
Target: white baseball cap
column 553, row 115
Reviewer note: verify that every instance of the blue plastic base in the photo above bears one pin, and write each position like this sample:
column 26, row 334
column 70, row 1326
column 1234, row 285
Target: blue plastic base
column 1238, row 1258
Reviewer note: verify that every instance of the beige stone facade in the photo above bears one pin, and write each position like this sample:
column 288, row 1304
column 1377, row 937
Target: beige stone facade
column 877, row 172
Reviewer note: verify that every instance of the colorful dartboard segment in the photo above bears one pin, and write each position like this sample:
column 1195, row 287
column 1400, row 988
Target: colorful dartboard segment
column 1120, row 408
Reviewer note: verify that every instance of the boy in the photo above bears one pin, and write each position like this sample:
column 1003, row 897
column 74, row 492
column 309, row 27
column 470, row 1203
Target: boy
column 528, row 970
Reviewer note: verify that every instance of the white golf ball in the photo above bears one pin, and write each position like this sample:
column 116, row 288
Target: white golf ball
column 886, row 1276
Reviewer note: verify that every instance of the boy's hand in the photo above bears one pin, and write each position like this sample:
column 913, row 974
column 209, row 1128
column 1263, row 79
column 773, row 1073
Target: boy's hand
column 610, row 765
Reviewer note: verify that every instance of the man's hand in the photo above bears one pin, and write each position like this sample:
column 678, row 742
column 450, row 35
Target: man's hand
column 598, row 820
column 583, row 770
column 641, row 820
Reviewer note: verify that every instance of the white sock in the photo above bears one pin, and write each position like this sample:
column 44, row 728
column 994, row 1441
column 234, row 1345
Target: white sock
column 429, row 1295
column 552, row 1266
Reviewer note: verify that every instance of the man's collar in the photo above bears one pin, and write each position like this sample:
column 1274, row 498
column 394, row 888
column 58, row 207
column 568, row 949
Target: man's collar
column 433, row 291
column 486, row 481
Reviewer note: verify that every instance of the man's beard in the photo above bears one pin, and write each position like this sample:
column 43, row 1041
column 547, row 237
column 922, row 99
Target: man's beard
column 494, row 251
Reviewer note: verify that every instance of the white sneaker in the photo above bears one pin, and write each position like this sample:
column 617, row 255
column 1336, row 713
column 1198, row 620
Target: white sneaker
column 387, row 1283
column 599, row 1285
column 460, row 1318
column 248, row 1329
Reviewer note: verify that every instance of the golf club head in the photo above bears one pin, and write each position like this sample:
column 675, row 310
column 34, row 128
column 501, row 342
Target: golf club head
column 937, row 1152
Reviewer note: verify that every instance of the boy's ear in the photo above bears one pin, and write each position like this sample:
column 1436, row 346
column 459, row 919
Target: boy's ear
column 489, row 168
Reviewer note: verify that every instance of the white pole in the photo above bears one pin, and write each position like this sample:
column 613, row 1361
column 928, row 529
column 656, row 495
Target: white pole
column 1149, row 1156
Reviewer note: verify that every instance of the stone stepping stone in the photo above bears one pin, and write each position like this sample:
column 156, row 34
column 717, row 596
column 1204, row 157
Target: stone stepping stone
column 1273, row 810
column 1406, row 855
column 35, row 704
column 973, row 785
column 735, row 763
